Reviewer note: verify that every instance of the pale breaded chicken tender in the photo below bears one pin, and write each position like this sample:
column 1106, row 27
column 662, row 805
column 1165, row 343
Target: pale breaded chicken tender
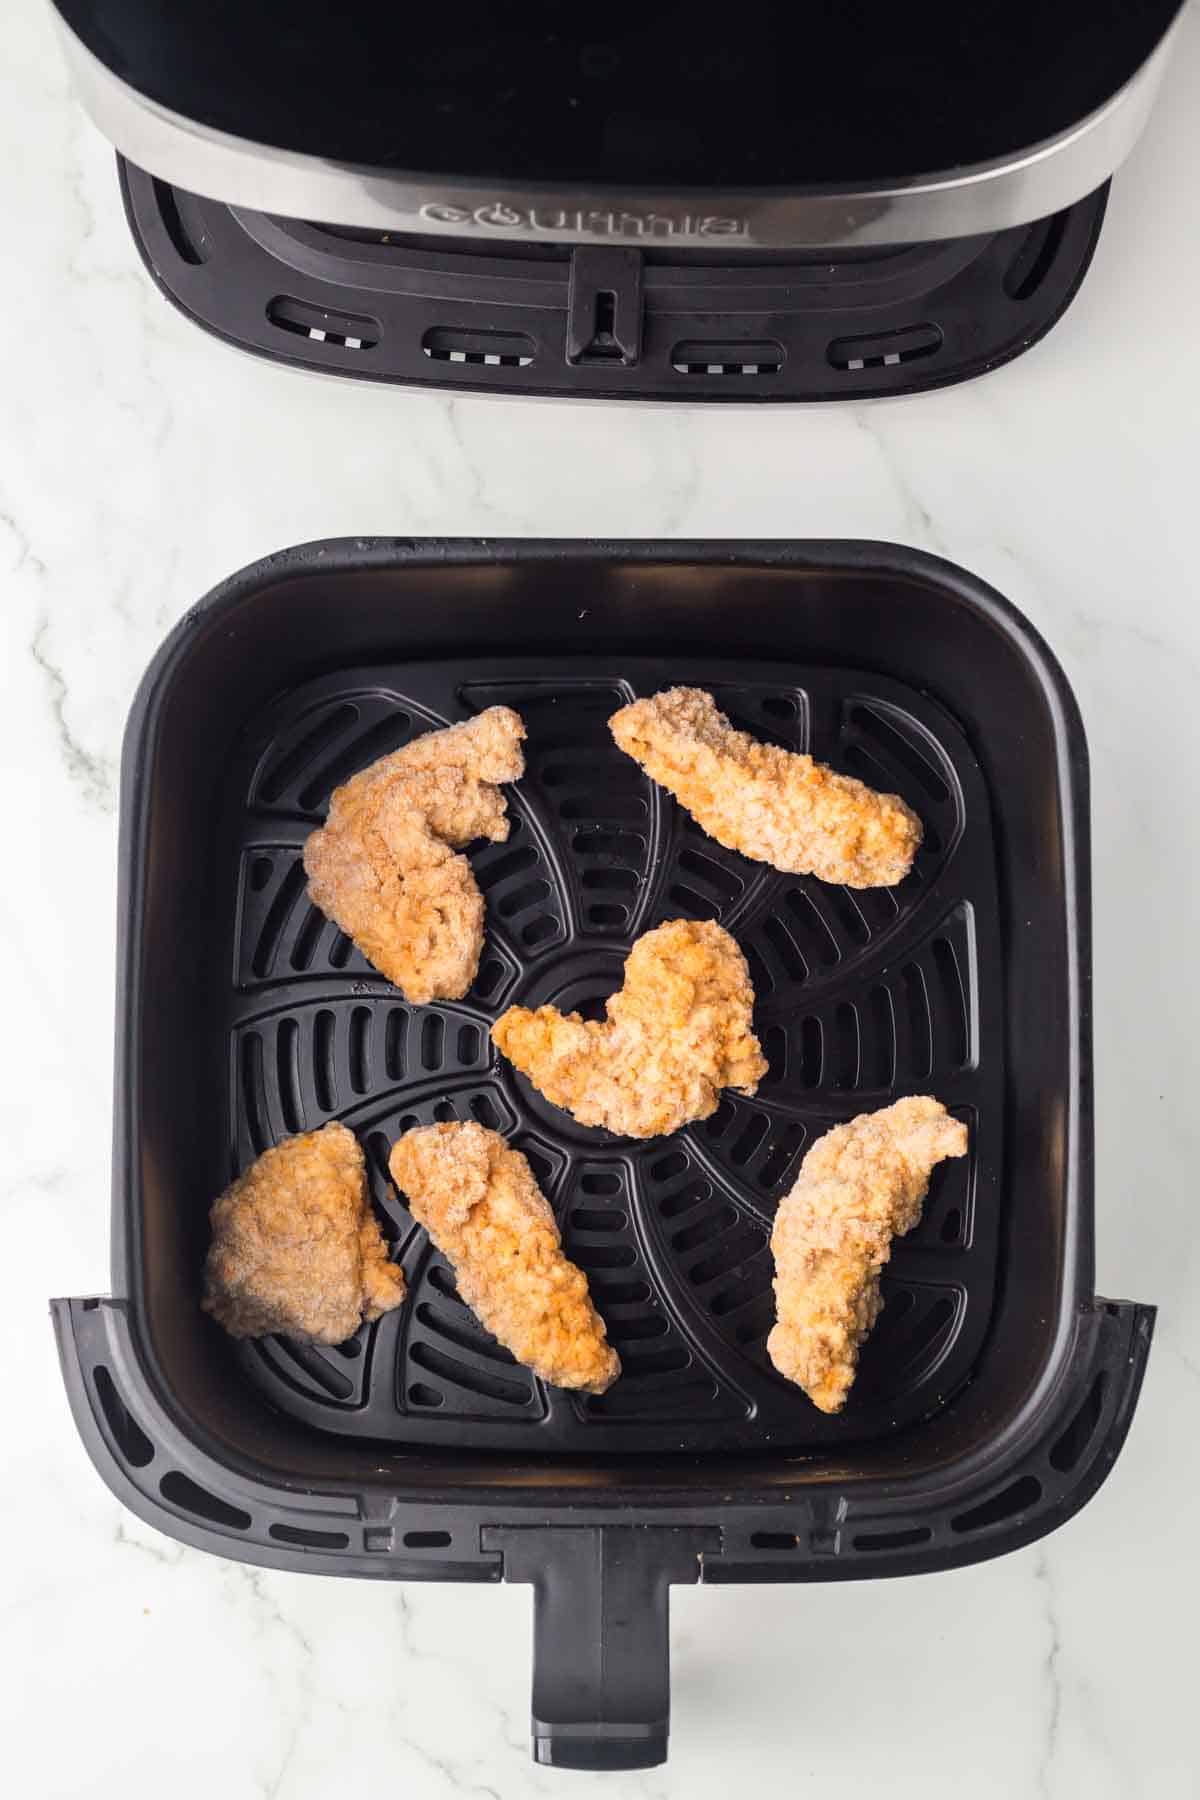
column 859, row 1186
column 772, row 805
column 296, row 1247
column 384, row 865
column 676, row 1034
column 479, row 1202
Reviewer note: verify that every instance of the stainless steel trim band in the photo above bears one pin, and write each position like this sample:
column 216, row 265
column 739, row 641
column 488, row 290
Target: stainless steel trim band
column 957, row 203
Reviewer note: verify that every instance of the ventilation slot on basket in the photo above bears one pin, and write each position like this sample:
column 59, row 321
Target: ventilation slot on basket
column 188, row 249
column 775, row 1540
column 513, row 862
column 389, row 733
column 954, row 1018
column 307, row 938
column 951, row 1231
column 311, row 1360
column 323, row 1081
column 1018, row 1497
column 427, row 1540
column 254, row 1099
column 1036, row 257
column 278, row 914
column 919, row 1022
column 886, row 351
column 910, row 757
column 464, row 1335
column 490, row 978
column 883, row 1032
column 780, row 939
column 893, row 1540
column 691, row 358
column 309, row 1540
column 360, row 1037
column 595, row 1218
column 685, row 1199
column 278, row 776
column 394, row 1035
column 346, row 331
column 183, row 1492
column 482, row 349
column 131, row 1440
column 287, row 1072
column 785, row 1147
column 475, row 1381
column 1075, row 1439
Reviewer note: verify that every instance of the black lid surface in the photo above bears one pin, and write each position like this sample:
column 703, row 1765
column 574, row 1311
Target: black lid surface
column 772, row 95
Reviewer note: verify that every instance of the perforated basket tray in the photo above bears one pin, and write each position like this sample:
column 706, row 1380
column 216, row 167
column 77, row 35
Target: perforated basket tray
column 995, row 1391
column 860, row 997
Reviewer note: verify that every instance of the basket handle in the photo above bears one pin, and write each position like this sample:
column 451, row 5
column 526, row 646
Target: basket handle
column 601, row 1651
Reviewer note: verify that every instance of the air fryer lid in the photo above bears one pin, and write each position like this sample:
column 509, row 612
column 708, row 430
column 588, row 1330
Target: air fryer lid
column 780, row 95
column 667, row 103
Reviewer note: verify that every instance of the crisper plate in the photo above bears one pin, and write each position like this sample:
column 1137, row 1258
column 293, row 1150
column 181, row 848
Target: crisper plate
column 861, row 997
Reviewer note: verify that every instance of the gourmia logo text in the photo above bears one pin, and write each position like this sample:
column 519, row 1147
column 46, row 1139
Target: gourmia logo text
column 592, row 222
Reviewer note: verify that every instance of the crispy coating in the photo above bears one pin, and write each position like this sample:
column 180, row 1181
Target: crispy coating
column 773, row 805
column 384, row 866
column 859, row 1186
column 676, row 1034
column 479, row 1202
column 296, row 1247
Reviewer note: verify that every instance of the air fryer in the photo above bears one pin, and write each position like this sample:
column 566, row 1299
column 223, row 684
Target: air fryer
column 828, row 201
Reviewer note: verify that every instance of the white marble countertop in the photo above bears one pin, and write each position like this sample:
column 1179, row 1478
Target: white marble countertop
column 139, row 463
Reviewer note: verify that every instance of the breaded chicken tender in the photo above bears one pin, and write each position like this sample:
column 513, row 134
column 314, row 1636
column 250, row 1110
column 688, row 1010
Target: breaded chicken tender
column 772, row 805
column 676, row 1034
column 296, row 1247
column 384, row 865
column 479, row 1202
column 859, row 1186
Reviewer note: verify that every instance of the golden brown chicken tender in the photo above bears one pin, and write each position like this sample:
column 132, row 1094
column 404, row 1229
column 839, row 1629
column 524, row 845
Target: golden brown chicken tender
column 479, row 1202
column 384, row 866
column 296, row 1247
column 859, row 1186
column 773, row 805
column 676, row 1034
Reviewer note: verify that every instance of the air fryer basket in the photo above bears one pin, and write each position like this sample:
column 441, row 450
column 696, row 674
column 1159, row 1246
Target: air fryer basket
column 997, row 1390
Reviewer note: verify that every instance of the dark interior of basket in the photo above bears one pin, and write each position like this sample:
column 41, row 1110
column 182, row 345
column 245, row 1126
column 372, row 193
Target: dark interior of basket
column 272, row 1022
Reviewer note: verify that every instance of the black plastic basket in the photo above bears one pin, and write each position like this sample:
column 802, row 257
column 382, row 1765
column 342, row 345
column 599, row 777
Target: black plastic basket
column 997, row 1389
